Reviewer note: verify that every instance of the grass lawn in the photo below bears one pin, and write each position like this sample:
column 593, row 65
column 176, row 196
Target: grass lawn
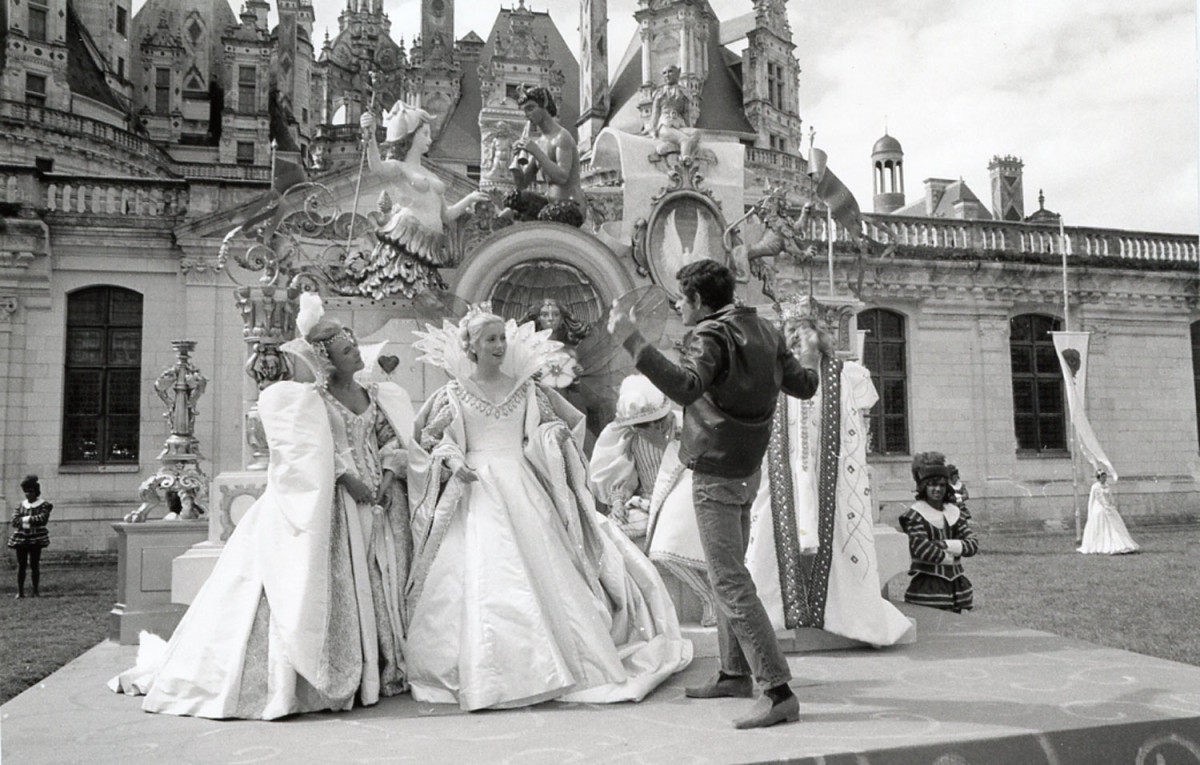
column 1148, row 602
column 39, row 635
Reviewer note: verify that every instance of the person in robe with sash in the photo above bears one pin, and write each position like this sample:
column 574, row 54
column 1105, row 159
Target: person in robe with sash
column 303, row 610
column 812, row 543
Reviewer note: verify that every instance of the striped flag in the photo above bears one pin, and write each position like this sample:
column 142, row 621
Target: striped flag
column 1072, row 348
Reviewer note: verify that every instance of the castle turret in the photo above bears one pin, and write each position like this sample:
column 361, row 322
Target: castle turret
column 771, row 77
column 593, row 70
column 887, row 157
column 1008, row 191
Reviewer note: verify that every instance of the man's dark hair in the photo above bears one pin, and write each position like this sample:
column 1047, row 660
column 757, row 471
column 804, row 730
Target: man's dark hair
column 540, row 96
column 710, row 280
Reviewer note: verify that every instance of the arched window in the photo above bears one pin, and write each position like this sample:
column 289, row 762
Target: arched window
column 1039, row 416
column 102, row 380
column 1196, row 365
column 884, row 355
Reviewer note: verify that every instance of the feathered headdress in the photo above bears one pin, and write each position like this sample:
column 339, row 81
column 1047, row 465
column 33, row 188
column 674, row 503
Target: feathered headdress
column 312, row 310
column 528, row 348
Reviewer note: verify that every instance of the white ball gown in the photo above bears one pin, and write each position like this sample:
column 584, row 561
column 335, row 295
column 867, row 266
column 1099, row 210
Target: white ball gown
column 521, row 592
column 1105, row 532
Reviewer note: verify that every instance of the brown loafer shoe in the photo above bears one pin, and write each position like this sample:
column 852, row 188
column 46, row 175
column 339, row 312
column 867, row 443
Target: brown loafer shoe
column 723, row 687
column 766, row 714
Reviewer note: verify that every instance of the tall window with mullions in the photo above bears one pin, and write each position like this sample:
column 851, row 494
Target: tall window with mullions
column 1039, row 410
column 884, row 354
column 102, row 377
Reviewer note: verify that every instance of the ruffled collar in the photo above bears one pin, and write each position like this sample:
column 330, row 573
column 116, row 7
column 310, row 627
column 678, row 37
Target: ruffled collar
column 26, row 504
column 948, row 515
column 528, row 350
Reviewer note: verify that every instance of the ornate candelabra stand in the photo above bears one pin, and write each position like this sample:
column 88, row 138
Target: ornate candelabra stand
column 179, row 477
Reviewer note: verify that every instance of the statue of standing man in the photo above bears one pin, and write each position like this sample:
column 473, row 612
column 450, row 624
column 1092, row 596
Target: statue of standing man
column 553, row 153
column 669, row 117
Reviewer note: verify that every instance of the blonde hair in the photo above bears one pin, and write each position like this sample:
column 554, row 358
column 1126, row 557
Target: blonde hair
column 472, row 327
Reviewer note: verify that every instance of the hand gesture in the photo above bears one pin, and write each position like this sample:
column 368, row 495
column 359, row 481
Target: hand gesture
column 382, row 497
column 464, row 473
column 357, row 489
column 367, row 123
column 475, row 197
column 621, row 323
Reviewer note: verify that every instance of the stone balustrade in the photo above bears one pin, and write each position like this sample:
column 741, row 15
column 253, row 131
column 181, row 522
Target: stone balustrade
column 774, row 159
column 1005, row 236
column 85, row 195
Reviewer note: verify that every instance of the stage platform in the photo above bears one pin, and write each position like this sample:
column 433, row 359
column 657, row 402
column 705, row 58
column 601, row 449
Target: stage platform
column 972, row 689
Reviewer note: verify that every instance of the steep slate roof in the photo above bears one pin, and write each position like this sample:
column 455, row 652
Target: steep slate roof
column 461, row 137
column 84, row 75
column 955, row 193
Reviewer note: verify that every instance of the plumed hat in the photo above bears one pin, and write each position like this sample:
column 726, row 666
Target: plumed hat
column 639, row 401
column 928, row 465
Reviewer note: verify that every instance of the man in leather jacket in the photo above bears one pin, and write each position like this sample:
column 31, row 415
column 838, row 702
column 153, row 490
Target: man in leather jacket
column 733, row 366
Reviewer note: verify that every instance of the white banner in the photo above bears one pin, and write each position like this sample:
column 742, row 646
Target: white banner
column 1072, row 349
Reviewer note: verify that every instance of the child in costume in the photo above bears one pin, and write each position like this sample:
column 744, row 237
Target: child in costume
column 939, row 537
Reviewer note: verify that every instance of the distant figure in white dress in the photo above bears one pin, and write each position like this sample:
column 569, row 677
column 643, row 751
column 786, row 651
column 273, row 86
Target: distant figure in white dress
column 1105, row 532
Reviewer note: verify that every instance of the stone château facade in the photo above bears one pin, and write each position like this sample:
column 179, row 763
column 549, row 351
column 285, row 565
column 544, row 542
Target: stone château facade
column 130, row 145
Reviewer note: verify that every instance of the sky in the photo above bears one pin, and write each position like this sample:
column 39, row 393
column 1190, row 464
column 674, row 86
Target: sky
column 1099, row 98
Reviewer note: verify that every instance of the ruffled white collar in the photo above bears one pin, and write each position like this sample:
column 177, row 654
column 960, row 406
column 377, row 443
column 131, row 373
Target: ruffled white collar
column 947, row 516
column 528, row 351
column 30, row 506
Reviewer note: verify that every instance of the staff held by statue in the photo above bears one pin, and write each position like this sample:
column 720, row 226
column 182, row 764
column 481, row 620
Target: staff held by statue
column 362, row 162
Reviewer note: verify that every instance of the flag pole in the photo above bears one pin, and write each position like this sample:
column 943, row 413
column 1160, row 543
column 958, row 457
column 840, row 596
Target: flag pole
column 829, row 218
column 1062, row 246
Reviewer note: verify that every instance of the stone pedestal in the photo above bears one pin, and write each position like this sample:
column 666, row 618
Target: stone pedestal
column 144, row 572
column 891, row 554
column 232, row 495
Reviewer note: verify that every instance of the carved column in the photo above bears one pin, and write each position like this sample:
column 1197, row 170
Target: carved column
column 268, row 319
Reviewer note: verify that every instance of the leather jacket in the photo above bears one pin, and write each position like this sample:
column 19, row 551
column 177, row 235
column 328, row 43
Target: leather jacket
column 728, row 381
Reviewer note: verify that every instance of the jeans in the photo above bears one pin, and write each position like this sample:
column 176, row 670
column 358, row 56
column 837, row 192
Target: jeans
column 744, row 632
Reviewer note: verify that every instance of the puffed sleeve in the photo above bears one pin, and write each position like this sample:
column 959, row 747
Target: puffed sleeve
column 441, row 414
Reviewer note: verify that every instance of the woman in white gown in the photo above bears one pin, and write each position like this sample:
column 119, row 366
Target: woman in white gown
column 520, row 591
column 1105, row 532
column 302, row 611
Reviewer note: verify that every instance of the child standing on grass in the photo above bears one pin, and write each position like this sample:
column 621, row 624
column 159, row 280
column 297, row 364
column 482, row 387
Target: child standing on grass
column 30, row 534
column 939, row 537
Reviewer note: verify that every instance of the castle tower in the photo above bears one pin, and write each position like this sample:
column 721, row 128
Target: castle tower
column 438, row 79
column 1008, row 191
column 245, row 129
column 674, row 32
column 342, row 86
column 771, row 77
column 292, row 70
column 593, row 70
column 888, row 160
column 35, row 69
